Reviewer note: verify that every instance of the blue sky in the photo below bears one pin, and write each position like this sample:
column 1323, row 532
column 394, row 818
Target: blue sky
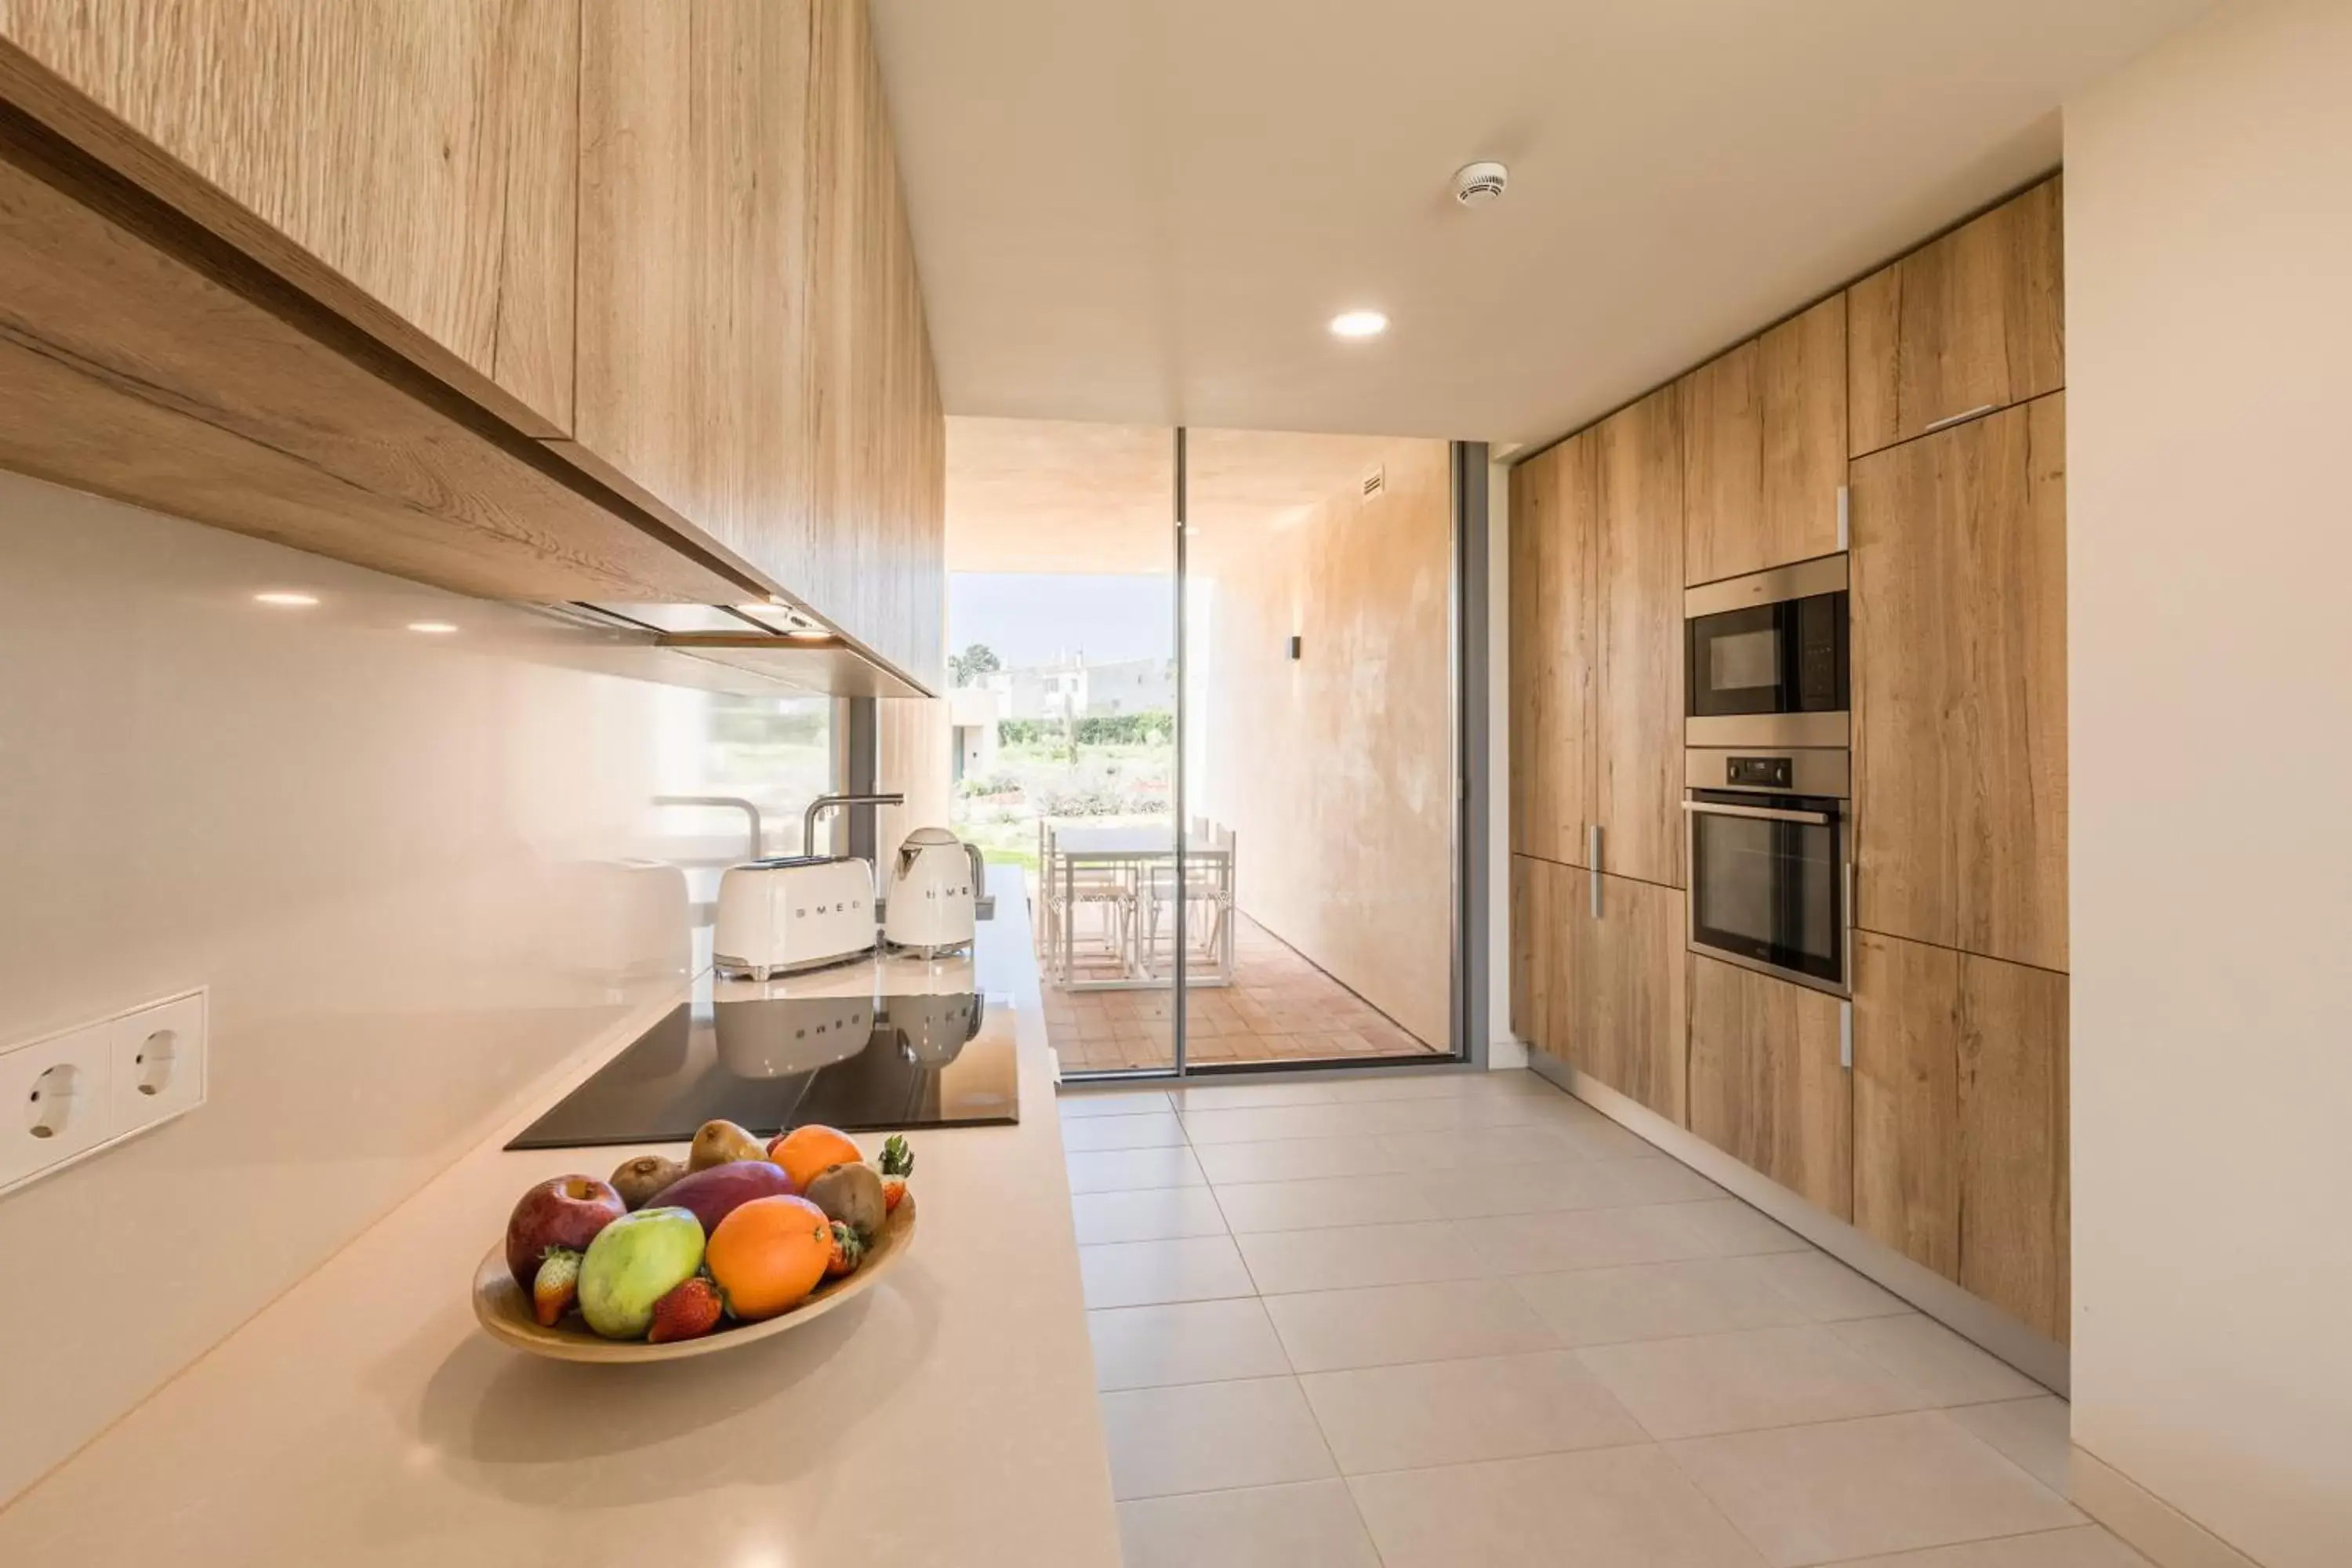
column 1029, row 617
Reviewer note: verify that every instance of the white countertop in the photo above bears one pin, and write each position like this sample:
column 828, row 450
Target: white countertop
column 947, row 1417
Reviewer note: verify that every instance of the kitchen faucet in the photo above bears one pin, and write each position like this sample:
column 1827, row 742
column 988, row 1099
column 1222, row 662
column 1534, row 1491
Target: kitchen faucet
column 825, row 803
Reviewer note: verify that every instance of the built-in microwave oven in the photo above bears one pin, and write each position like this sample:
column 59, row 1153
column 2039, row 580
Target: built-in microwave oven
column 1767, row 660
column 1769, row 853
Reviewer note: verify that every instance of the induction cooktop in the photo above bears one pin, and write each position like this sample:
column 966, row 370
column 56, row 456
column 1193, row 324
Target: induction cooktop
column 862, row 1063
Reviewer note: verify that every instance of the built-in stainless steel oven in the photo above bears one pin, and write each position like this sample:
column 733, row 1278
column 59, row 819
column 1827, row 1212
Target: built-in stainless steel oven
column 1767, row 657
column 1769, row 886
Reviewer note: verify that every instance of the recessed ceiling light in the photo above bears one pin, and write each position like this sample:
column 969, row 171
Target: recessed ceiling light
column 809, row 634
column 286, row 599
column 432, row 628
column 1359, row 324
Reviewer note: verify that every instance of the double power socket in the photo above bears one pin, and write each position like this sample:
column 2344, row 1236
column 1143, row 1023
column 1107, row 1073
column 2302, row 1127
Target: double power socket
column 66, row 1096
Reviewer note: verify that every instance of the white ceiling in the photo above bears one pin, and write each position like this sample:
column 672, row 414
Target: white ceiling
column 1144, row 211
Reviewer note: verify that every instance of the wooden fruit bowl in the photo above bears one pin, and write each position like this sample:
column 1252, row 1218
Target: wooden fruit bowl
column 504, row 1307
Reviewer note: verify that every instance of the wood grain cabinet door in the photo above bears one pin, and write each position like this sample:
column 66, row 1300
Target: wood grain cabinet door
column 1638, row 626
column 1959, row 686
column 412, row 164
column 1764, row 449
column 1974, row 320
column 1553, row 502
column 1624, row 1000
column 752, row 352
column 1906, row 1098
column 1535, row 950
column 2014, row 1174
column 1767, row 1086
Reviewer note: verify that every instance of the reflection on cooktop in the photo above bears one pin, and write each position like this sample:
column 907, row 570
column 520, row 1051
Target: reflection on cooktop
column 864, row 1064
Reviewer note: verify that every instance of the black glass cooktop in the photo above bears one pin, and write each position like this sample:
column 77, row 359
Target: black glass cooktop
column 864, row 1064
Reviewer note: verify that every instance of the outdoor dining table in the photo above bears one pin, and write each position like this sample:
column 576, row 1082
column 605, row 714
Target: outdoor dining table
column 1139, row 849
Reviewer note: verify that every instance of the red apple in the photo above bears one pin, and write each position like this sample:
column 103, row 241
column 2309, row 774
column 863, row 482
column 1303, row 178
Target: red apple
column 566, row 1212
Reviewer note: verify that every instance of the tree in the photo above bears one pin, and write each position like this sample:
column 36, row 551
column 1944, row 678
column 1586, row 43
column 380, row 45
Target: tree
column 973, row 662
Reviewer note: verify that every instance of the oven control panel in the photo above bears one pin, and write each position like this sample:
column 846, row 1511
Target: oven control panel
column 1760, row 772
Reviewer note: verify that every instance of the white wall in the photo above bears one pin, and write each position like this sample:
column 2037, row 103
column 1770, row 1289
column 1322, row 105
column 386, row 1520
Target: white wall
column 394, row 858
column 2209, row 238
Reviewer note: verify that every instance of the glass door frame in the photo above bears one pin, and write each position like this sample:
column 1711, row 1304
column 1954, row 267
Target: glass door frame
column 1469, row 924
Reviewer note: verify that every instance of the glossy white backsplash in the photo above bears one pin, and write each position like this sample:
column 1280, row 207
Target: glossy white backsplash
column 399, row 859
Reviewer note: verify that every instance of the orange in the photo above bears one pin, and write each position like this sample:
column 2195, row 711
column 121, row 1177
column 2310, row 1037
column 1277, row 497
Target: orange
column 806, row 1152
column 768, row 1254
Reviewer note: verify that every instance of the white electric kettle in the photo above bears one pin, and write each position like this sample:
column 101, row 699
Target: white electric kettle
column 935, row 887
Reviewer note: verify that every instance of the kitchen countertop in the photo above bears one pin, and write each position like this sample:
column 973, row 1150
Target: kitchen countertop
column 947, row 1416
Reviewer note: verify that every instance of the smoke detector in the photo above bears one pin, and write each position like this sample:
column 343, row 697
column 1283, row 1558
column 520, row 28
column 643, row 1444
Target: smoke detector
column 1475, row 184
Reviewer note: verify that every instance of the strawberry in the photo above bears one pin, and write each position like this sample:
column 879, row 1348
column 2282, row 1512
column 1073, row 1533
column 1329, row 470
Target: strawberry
column 556, row 1285
column 848, row 1251
column 898, row 1164
column 688, row 1311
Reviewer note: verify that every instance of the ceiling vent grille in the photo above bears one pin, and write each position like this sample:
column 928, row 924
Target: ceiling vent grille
column 1376, row 481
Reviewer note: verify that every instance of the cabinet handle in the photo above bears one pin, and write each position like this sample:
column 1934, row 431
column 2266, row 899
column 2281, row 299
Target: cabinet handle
column 1845, row 518
column 1948, row 420
column 1845, row 1036
column 1594, row 856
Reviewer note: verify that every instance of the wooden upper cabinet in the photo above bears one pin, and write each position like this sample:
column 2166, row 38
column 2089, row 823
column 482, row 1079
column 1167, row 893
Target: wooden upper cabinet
column 1959, row 686
column 1767, row 1086
column 1960, row 1119
column 410, row 166
column 1638, row 629
column 1553, row 502
column 1764, row 449
column 752, row 351
column 1973, row 321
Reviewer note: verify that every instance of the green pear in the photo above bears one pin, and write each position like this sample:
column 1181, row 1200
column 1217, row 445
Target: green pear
column 635, row 1262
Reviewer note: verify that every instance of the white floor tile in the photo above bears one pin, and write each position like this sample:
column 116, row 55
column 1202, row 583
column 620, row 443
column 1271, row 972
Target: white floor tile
column 1075, row 1104
column 1146, row 1214
column 1308, row 1524
column 1597, row 1138
column 1185, row 1341
column 1740, row 1381
column 1323, row 1202
column 1247, row 1096
column 1124, row 1170
column 1656, row 1179
column 1827, row 1290
column 1939, row 1362
column 2085, row 1547
column 1158, row 1129
column 1324, row 1331
column 1459, row 1412
column 1476, row 1192
column 1141, row 1273
column 1858, row 1489
column 1301, row 1159
column 2035, row 1434
column 1658, row 1300
column 1605, row 1507
column 1527, row 1144
column 1265, row 1124
column 1729, row 1228
column 1199, row 1436
column 1584, row 1238
column 1350, row 1255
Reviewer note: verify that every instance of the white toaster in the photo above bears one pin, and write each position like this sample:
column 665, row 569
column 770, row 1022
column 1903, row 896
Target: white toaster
column 799, row 911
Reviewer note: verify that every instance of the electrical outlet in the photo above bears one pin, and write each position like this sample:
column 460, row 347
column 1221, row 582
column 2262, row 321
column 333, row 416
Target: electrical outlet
column 58, row 1103
column 72, row 1094
column 159, row 1063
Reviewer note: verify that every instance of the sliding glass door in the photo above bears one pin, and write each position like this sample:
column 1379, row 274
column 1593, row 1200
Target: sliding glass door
column 1204, row 705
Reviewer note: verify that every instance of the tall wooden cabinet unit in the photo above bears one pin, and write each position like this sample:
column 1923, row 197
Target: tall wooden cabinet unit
column 1767, row 1083
column 1637, row 710
column 1602, row 992
column 1554, row 503
column 752, row 351
column 1764, row 449
column 1960, row 1112
column 411, row 166
column 1959, row 686
column 1971, row 322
